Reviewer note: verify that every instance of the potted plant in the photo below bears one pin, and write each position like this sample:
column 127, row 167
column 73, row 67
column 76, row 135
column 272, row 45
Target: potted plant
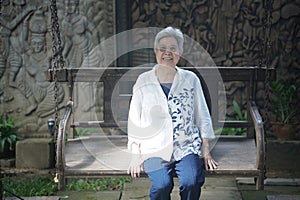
column 8, row 136
column 283, row 91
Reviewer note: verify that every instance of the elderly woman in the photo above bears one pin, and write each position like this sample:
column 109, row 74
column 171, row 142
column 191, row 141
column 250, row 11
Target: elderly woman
column 169, row 123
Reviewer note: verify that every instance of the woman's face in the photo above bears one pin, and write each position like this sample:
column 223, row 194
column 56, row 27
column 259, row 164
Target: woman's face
column 167, row 52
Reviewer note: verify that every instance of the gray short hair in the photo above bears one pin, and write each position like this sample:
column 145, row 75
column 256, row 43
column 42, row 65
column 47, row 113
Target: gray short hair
column 170, row 32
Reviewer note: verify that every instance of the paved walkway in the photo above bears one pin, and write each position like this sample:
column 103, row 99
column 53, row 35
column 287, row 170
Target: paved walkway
column 219, row 187
column 138, row 189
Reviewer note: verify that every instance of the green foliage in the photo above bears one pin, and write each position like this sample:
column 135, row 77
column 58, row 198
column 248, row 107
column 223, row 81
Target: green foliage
column 8, row 132
column 84, row 131
column 81, row 132
column 97, row 184
column 240, row 116
column 28, row 187
column 282, row 102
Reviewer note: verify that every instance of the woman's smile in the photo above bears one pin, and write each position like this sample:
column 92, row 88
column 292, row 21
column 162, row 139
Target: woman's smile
column 167, row 52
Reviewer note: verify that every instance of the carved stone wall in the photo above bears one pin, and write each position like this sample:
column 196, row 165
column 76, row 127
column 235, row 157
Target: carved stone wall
column 26, row 54
column 232, row 31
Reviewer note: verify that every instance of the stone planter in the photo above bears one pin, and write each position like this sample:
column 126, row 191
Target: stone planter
column 35, row 153
column 282, row 158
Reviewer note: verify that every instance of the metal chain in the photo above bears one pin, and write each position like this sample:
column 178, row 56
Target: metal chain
column 56, row 34
column 265, row 62
column 57, row 59
column 267, row 54
column 54, row 60
column 1, row 185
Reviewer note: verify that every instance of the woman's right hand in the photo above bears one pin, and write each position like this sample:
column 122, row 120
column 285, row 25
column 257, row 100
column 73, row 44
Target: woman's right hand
column 135, row 166
column 136, row 163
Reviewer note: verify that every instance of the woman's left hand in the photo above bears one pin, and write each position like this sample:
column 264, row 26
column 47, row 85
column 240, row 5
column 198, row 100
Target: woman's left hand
column 209, row 163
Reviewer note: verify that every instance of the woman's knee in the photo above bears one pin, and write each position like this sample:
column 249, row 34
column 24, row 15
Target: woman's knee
column 163, row 185
column 160, row 175
column 190, row 171
column 192, row 182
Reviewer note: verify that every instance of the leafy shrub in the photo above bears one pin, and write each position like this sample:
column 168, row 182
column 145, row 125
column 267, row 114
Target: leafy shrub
column 28, row 187
column 240, row 116
column 8, row 132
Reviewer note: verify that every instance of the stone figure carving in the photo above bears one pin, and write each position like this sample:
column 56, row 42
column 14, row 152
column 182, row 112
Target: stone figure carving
column 253, row 14
column 31, row 80
column 223, row 17
column 77, row 35
column 97, row 13
column 77, row 32
column 13, row 12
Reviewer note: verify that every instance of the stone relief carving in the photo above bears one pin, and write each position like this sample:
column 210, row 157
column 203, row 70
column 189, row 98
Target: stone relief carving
column 35, row 62
column 25, row 53
column 231, row 31
column 77, row 34
column 224, row 14
column 12, row 15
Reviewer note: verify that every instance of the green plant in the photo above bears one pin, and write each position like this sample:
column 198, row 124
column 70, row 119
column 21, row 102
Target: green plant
column 42, row 186
column 240, row 116
column 97, row 184
column 283, row 91
column 29, row 186
column 8, row 132
column 84, row 131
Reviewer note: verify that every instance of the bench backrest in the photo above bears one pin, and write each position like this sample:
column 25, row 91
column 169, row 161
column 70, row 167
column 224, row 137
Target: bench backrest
column 118, row 81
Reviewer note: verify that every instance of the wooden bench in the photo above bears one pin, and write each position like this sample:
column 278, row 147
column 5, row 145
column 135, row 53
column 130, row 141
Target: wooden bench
column 98, row 155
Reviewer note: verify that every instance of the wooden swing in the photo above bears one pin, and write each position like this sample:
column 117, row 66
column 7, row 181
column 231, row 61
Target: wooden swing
column 98, row 156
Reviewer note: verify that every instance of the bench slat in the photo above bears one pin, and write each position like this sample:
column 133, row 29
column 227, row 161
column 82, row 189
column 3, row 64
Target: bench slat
column 105, row 156
column 123, row 124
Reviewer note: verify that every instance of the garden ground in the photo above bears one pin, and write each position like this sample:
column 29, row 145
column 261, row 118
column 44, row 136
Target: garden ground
column 223, row 188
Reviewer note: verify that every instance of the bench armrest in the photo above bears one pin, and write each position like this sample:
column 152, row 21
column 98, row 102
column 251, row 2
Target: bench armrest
column 60, row 143
column 259, row 135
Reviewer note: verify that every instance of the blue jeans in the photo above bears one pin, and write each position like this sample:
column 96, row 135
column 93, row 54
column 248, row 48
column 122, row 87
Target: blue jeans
column 190, row 173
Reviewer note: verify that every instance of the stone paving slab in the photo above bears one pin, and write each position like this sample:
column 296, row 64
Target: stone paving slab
column 34, row 198
column 283, row 197
column 248, row 192
column 283, row 181
column 90, row 195
column 214, row 188
column 139, row 188
column 220, row 188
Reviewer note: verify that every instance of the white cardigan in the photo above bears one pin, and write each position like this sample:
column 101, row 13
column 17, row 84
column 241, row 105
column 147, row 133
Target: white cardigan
column 150, row 122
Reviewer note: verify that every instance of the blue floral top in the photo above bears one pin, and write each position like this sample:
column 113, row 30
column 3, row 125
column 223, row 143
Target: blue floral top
column 186, row 136
column 186, row 140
